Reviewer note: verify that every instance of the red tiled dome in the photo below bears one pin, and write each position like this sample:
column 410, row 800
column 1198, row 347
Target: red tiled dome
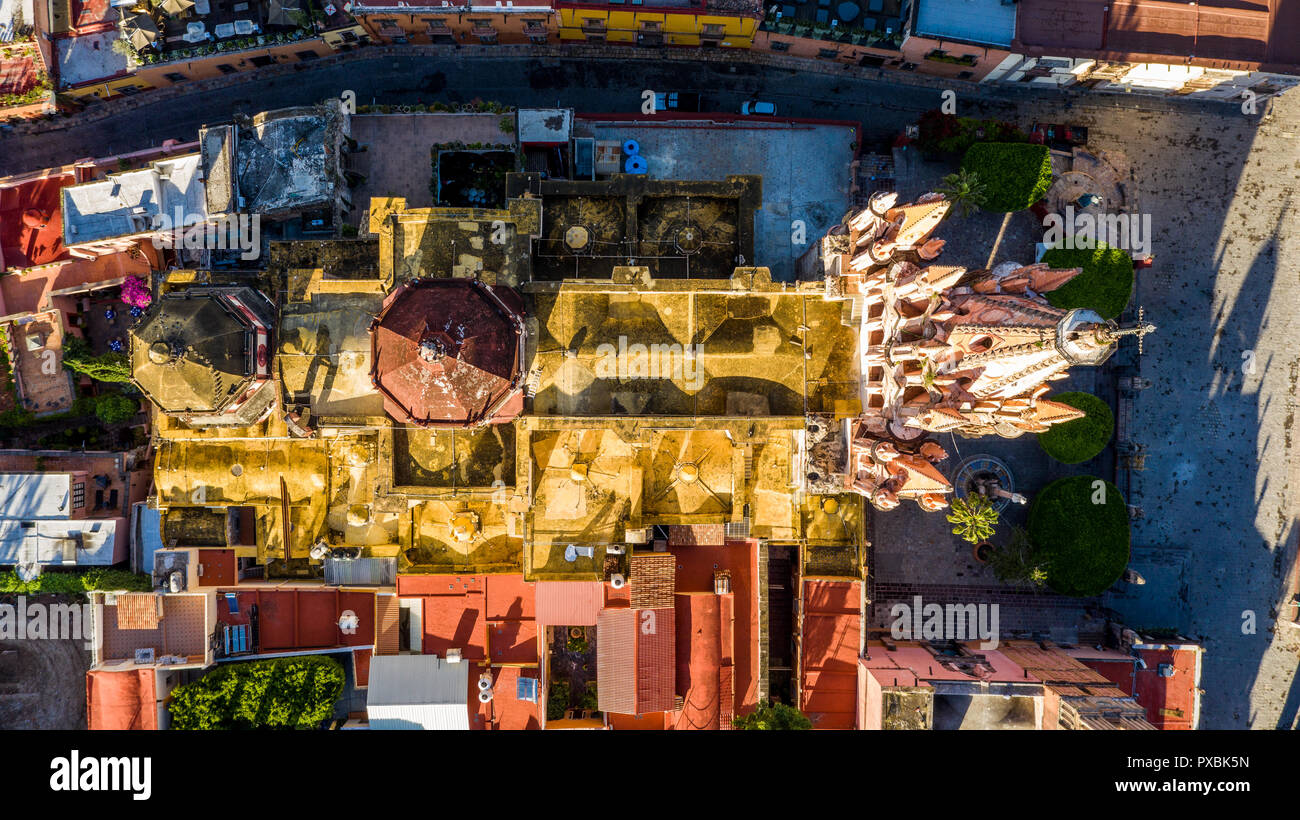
column 447, row 353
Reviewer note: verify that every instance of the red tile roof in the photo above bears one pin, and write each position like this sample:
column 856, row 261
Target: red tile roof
column 616, row 660
column 636, row 660
column 569, row 603
column 292, row 619
column 121, row 699
column 652, row 579
column 505, row 710
column 446, row 352
column 218, row 568
column 832, row 633
column 388, row 617
column 704, row 658
column 656, row 660
column 473, row 612
column 1231, row 34
column 361, row 665
column 31, row 223
column 1171, row 702
column 695, row 570
column 705, row 535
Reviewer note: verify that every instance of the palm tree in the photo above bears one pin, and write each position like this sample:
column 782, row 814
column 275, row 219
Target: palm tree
column 964, row 190
column 974, row 518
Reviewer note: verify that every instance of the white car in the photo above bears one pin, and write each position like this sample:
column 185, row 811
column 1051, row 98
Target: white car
column 755, row 107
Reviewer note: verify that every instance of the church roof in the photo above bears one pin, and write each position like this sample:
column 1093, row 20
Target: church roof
column 447, row 352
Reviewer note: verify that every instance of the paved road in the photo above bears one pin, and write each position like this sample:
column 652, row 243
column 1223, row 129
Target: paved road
column 612, row 84
column 1220, row 186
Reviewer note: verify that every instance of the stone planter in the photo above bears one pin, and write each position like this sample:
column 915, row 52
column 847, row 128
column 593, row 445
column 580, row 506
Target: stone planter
column 982, row 551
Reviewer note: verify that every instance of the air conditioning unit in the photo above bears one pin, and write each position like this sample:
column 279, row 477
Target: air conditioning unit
column 617, row 581
column 453, row 656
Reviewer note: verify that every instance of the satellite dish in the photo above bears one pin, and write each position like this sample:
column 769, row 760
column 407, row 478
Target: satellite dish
column 29, row 571
column 175, row 581
column 617, row 581
column 485, row 696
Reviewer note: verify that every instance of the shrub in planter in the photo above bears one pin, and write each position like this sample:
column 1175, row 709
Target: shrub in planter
column 1106, row 284
column 1081, row 439
column 285, row 693
column 1015, row 175
column 1079, row 531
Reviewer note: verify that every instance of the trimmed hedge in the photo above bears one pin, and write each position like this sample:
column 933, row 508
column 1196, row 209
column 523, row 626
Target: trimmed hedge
column 1106, row 284
column 284, row 693
column 1015, row 175
column 1079, row 440
column 1083, row 546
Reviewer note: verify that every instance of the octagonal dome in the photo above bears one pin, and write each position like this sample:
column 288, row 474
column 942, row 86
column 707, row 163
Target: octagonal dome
column 205, row 353
column 448, row 352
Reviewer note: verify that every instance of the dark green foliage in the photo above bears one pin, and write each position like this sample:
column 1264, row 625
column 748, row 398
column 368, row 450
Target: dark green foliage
column 557, row 699
column 1077, row 441
column 110, row 367
column 772, row 716
column 285, row 693
column 1014, row 175
column 112, row 408
column 1106, row 284
column 1085, row 546
column 54, row 582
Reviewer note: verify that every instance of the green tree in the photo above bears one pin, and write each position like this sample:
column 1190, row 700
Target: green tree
column 773, row 716
column 285, row 693
column 1015, row 563
column 110, row 367
column 112, row 408
column 974, row 518
column 1015, row 175
column 965, row 191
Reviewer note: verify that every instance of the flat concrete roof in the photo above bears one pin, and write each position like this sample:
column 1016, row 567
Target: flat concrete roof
column 805, row 170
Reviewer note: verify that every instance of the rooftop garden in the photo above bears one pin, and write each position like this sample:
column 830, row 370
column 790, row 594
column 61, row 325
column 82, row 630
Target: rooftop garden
column 164, row 31
column 841, row 22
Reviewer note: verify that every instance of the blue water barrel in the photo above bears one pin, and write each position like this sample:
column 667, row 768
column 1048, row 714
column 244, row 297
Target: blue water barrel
column 631, row 148
column 635, row 165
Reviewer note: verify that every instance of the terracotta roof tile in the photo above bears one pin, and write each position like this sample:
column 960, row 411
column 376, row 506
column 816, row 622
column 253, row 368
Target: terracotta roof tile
column 388, row 615
column 707, row 535
column 653, row 581
column 138, row 610
column 569, row 603
column 616, row 661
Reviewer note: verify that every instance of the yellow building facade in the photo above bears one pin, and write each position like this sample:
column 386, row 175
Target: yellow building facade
column 655, row 25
